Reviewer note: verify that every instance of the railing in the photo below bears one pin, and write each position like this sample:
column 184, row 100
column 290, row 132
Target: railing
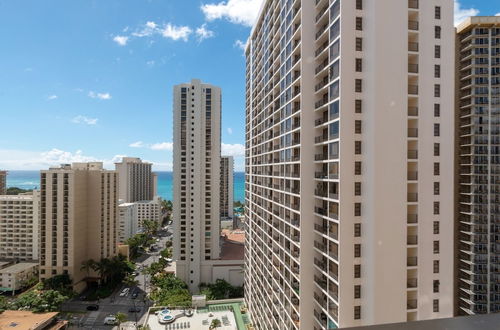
column 413, row 46
column 413, row 25
column 412, row 154
column 413, row 111
column 412, row 239
column 411, row 283
column 413, row 4
column 412, row 132
column 412, row 197
column 412, row 218
column 411, row 261
column 411, row 304
column 413, row 68
column 413, row 89
column 412, row 175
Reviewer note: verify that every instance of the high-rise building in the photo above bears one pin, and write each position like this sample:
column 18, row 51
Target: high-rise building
column 349, row 146
column 136, row 181
column 226, row 186
column 197, row 115
column 78, row 219
column 478, row 165
column 19, row 219
column 3, row 182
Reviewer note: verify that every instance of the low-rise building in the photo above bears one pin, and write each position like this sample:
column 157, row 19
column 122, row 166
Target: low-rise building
column 19, row 220
column 16, row 276
column 24, row 320
column 132, row 216
column 3, row 182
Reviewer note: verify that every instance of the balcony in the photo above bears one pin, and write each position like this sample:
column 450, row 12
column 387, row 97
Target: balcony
column 412, row 218
column 412, row 197
column 412, row 132
column 411, row 283
column 413, row 46
column 413, row 4
column 413, row 89
column 412, row 154
column 413, row 25
column 412, row 111
column 411, row 304
column 413, row 68
column 412, row 239
column 412, row 176
column 411, row 261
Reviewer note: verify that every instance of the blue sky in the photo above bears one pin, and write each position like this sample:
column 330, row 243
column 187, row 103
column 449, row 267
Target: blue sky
column 88, row 80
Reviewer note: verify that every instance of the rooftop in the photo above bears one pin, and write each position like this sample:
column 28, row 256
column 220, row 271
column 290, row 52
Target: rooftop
column 16, row 268
column 24, row 320
column 232, row 245
column 485, row 21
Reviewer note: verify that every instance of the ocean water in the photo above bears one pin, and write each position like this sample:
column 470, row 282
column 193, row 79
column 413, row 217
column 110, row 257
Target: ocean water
column 31, row 180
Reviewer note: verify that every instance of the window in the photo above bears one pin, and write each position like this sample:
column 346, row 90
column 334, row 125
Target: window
column 359, row 4
column 437, row 32
column 437, row 110
column 357, row 168
column 357, row 147
column 357, row 126
column 436, row 188
column 358, row 86
column 436, row 149
column 359, row 23
column 436, row 227
column 437, row 51
column 359, row 44
column 357, row 271
column 437, row 12
column 436, row 130
column 357, row 188
column 435, row 305
column 357, row 230
column 357, row 291
column 436, row 208
column 435, row 266
column 358, row 106
column 357, row 312
column 435, row 286
column 357, row 209
column 357, row 250
column 359, row 65
column 436, row 168
column 437, row 90
column 435, row 246
column 437, row 71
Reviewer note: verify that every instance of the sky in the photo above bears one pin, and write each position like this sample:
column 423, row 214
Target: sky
column 91, row 80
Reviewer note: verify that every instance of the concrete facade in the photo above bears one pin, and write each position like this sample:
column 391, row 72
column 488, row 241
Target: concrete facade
column 349, row 142
column 19, row 223
column 3, row 182
column 197, row 116
column 478, row 166
column 226, row 186
column 136, row 180
column 78, row 219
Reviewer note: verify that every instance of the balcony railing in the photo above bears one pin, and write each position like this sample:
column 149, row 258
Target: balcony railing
column 413, row 46
column 412, row 132
column 412, row 154
column 412, row 239
column 413, row 89
column 412, row 68
column 412, row 218
column 413, row 4
column 413, row 111
column 411, row 304
column 412, row 175
column 413, row 25
column 411, row 261
column 412, row 197
column 411, row 283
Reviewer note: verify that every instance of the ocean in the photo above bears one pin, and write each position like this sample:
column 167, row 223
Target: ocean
column 31, row 180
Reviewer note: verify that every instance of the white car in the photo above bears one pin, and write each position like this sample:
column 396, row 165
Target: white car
column 124, row 292
column 110, row 320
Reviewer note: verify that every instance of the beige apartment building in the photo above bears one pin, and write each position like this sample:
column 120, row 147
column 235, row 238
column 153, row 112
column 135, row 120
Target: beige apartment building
column 78, row 218
column 136, row 180
column 17, row 276
column 197, row 116
column 19, row 221
column 3, row 182
column 349, row 146
column 478, row 166
column 226, row 186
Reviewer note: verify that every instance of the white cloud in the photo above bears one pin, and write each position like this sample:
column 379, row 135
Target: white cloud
column 138, row 144
column 162, row 146
column 121, row 40
column 36, row 160
column 203, row 33
column 176, row 32
column 150, row 63
column 240, row 44
column 236, row 11
column 84, row 120
column 498, row 14
column 101, row 96
column 147, row 30
column 235, row 150
column 462, row 13
column 51, row 97
column 229, row 130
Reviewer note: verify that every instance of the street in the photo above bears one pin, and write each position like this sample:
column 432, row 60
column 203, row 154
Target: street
column 83, row 319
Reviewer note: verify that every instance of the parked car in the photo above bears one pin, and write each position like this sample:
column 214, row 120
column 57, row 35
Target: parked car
column 134, row 309
column 134, row 295
column 124, row 292
column 110, row 320
column 94, row 307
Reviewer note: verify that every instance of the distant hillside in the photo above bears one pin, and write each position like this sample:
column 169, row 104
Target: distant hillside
column 17, row 191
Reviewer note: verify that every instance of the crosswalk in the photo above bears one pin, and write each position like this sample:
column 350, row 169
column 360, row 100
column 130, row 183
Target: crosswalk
column 90, row 320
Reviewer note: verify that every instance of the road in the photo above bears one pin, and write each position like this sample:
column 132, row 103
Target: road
column 83, row 319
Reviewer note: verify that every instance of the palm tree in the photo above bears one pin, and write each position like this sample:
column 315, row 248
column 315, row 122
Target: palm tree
column 88, row 265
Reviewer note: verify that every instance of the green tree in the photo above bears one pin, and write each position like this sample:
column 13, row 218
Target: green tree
column 150, row 227
column 120, row 317
column 60, row 283
column 40, row 301
column 215, row 324
column 166, row 253
column 88, row 265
